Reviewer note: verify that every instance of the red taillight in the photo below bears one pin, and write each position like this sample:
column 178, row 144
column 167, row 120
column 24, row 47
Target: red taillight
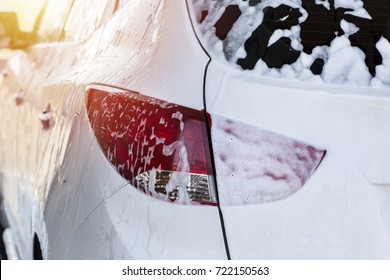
column 255, row 165
column 159, row 147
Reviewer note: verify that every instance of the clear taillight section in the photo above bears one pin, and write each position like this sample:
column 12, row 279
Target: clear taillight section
column 159, row 147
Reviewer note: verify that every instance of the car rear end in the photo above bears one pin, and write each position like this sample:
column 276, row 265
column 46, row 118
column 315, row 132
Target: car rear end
column 298, row 98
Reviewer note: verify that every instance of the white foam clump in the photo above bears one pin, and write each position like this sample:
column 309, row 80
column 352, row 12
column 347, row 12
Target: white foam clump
column 348, row 27
column 179, row 116
column 355, row 5
column 345, row 64
column 325, row 3
column 383, row 70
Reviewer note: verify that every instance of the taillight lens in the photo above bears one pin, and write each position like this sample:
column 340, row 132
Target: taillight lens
column 159, row 147
column 255, row 165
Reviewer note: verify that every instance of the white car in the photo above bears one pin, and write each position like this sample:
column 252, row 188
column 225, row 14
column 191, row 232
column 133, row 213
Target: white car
column 199, row 129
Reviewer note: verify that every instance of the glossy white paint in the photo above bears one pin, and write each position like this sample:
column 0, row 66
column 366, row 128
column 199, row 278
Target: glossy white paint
column 342, row 212
column 336, row 215
column 132, row 225
column 56, row 182
column 352, row 121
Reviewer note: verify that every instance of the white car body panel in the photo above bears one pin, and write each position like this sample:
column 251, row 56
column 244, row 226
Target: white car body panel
column 57, row 183
column 132, row 225
column 342, row 212
column 352, row 122
column 58, row 186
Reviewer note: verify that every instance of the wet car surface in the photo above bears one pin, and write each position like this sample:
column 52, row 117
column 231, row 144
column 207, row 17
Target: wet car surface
column 198, row 129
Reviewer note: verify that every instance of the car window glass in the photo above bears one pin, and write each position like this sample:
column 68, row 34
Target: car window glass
column 54, row 15
column 331, row 41
column 26, row 10
column 86, row 16
column 121, row 3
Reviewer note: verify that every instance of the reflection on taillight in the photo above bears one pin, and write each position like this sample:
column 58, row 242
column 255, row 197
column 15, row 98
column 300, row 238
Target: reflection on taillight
column 159, row 147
